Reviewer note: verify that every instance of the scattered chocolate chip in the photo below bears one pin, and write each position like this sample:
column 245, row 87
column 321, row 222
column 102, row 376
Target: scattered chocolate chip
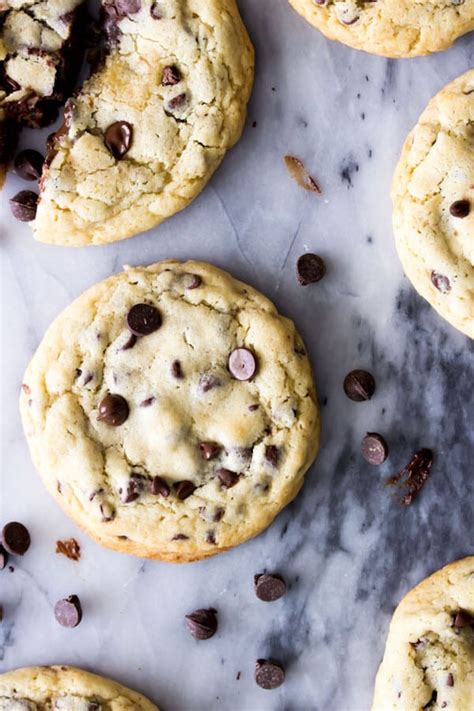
column 155, row 11
column 26, row 389
column 218, row 514
column 113, row 410
column 460, row 208
column 269, row 587
column 95, row 493
column 202, row 624
column 15, row 538
column 143, row 319
column 441, row 282
column 269, row 674
column 68, row 612
column 299, row 173
column 3, row 557
column 184, row 489
column 176, row 370
column 171, row 76
column 374, row 448
column 310, row 268
column 192, row 281
column 359, row 385
column 463, row 618
column 23, row 205
column 149, row 401
column 227, row 478
column 242, row 364
column 118, row 138
column 208, row 381
column 415, row 474
column 133, row 490
column 432, row 700
column 131, row 341
column 209, row 450
column 70, row 548
column 272, row 454
column 29, row 164
column 211, row 538
column 159, row 487
column 177, row 102
column 450, row 680
column 180, row 537
column 254, row 407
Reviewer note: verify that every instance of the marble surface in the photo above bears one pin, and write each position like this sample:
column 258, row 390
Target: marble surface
column 346, row 547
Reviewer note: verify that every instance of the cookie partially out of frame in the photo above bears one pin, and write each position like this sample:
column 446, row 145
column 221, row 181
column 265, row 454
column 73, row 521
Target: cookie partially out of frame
column 429, row 656
column 171, row 411
column 62, row 688
column 148, row 129
column 391, row 28
column 433, row 204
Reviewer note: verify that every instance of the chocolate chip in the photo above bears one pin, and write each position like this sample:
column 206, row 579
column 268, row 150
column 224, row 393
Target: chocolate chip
column 3, row 557
column 23, row 205
column 180, row 537
column 70, row 548
column 441, row 282
column 450, row 680
column 227, row 478
column 269, row 587
column 359, row 385
column 209, row 450
column 218, row 514
column 211, row 538
column 177, row 102
column 460, row 208
column 242, row 364
column 269, row 674
column 113, row 410
column 15, row 538
column 159, row 487
column 272, row 454
column 68, row 612
column 133, row 490
column 176, row 370
column 129, row 343
column 310, row 268
column 192, row 281
column 202, row 624
column 118, row 138
column 155, row 11
column 374, row 448
column 254, row 407
column 29, row 164
column 171, row 76
column 184, row 489
column 143, row 319
column 463, row 618
column 208, row 381
column 149, row 401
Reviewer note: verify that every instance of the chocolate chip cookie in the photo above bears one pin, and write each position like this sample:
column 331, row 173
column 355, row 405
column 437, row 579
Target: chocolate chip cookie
column 148, row 129
column 66, row 689
column 429, row 657
column 433, row 204
column 171, row 411
column 391, row 28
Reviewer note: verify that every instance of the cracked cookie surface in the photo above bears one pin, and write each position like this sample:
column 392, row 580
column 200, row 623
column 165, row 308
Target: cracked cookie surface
column 433, row 204
column 61, row 688
column 151, row 125
column 171, row 411
column 391, row 28
column 429, row 656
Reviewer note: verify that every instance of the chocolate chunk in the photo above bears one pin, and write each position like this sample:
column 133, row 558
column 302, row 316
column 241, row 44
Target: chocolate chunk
column 29, row 164
column 208, row 381
column 192, row 281
column 374, row 448
column 463, row 618
column 310, row 268
column 359, row 385
column 70, row 548
column 176, row 370
column 299, row 173
column 159, row 487
column 227, row 478
column 23, row 205
column 171, row 76
column 272, row 454
column 441, row 282
column 202, row 624
column 460, row 208
column 450, row 680
column 269, row 587
column 242, row 364
column 184, row 489
column 118, row 138
column 177, row 102
column 113, row 410
column 414, row 476
column 131, row 341
column 3, row 557
column 68, row 612
column 15, row 538
column 209, row 450
column 269, row 674
column 143, row 319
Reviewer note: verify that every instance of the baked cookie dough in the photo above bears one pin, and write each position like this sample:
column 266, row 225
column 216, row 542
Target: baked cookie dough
column 391, row 28
column 429, row 656
column 433, row 204
column 171, row 411
column 66, row 689
column 148, row 129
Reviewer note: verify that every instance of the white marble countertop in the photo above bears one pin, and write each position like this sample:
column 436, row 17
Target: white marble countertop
column 346, row 547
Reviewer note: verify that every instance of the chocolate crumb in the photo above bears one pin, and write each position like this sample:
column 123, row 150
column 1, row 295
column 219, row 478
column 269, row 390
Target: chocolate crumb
column 413, row 476
column 70, row 548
